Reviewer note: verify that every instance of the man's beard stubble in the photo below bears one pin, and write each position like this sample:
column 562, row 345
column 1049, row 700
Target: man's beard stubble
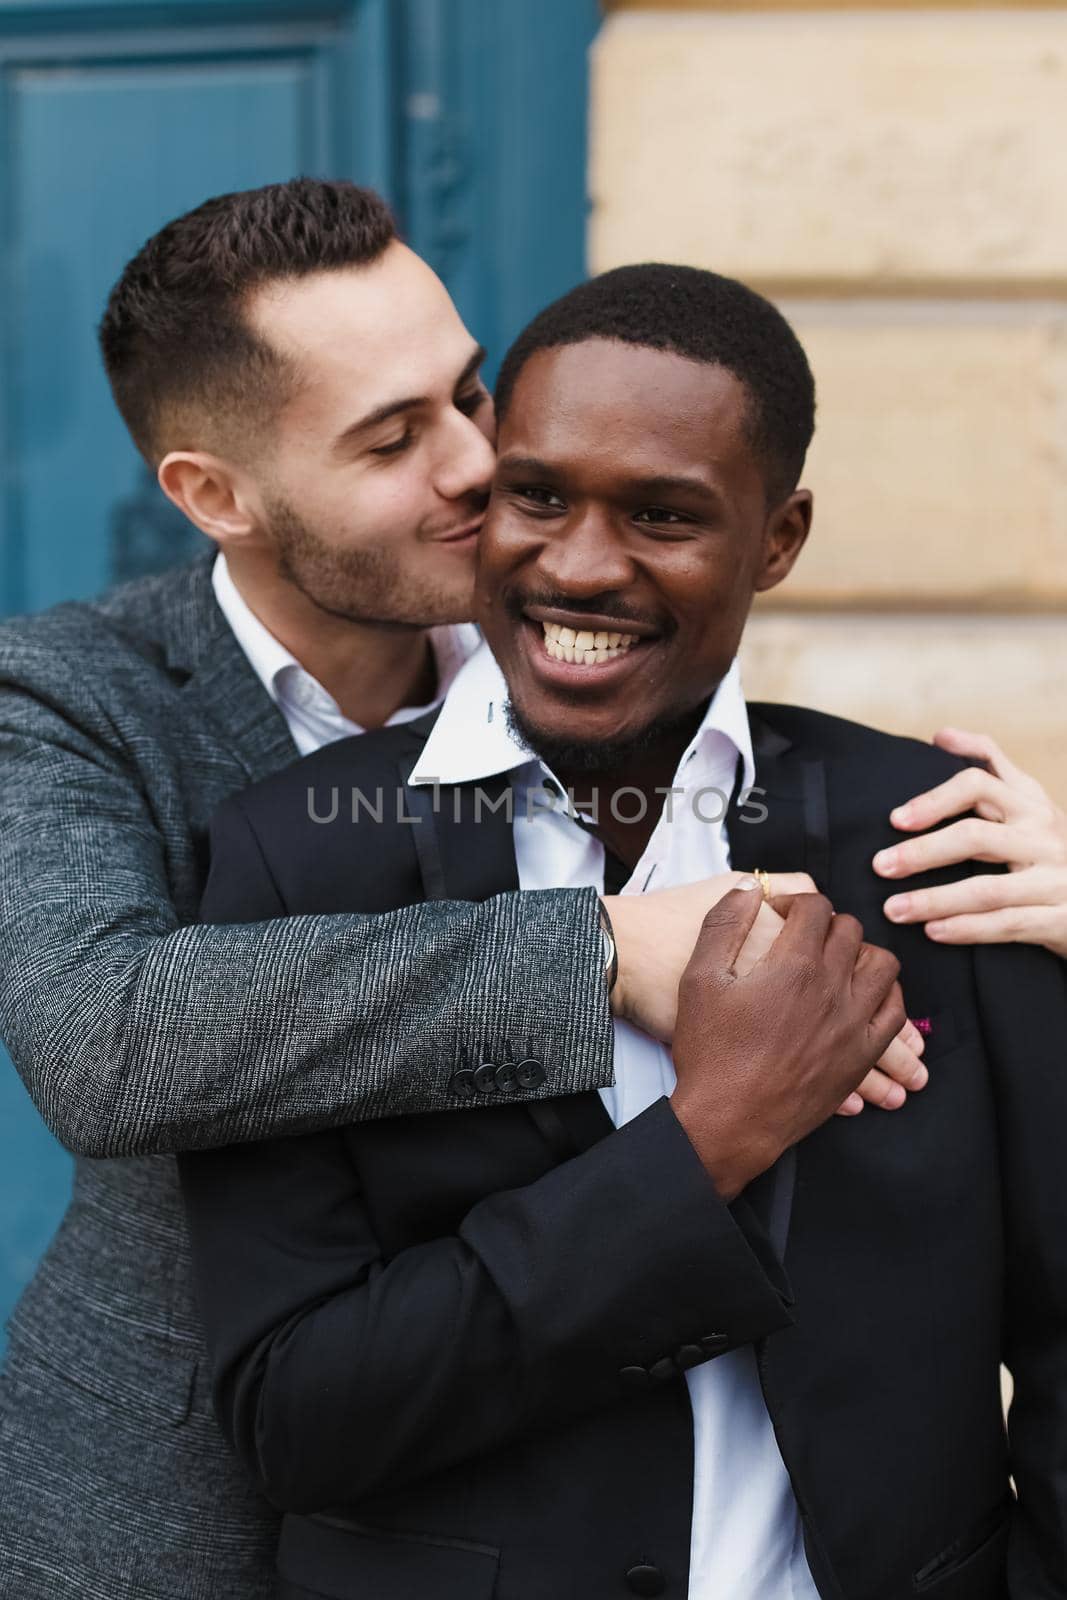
column 364, row 586
column 609, row 757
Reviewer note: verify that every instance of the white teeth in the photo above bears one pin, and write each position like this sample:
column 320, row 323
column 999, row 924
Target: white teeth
column 585, row 648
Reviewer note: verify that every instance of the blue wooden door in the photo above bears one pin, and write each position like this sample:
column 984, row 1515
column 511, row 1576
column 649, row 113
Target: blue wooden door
column 468, row 114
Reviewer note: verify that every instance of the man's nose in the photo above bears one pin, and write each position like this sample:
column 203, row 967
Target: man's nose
column 467, row 460
column 586, row 557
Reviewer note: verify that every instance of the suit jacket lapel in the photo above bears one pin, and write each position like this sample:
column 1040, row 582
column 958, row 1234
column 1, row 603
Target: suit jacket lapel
column 477, row 839
column 202, row 652
column 465, row 844
column 782, row 827
column 463, row 833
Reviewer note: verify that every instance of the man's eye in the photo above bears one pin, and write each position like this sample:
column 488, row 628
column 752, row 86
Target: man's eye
column 396, row 447
column 660, row 514
column 536, row 496
column 470, row 403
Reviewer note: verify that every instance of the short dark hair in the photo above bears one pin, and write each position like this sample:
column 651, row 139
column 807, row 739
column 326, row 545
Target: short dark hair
column 175, row 343
column 706, row 318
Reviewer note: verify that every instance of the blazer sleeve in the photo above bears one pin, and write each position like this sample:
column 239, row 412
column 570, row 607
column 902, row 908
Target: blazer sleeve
column 1022, row 1002
column 338, row 1374
column 138, row 1032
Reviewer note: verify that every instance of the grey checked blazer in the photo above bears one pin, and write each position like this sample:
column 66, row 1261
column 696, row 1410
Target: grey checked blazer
column 124, row 723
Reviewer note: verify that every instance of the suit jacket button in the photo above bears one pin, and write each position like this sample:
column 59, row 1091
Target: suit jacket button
column 713, row 1344
column 660, row 1371
column 485, row 1078
column 462, row 1083
column 646, row 1580
column 530, row 1074
column 635, row 1378
column 690, row 1355
column 506, row 1076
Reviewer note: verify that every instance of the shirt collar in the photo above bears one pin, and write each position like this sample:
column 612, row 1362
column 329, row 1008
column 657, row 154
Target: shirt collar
column 472, row 739
column 267, row 655
column 274, row 664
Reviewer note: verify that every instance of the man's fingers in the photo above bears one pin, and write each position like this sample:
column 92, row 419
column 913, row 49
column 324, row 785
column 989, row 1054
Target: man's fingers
column 843, row 943
column 900, row 1070
column 980, row 747
column 1015, row 925
column 725, row 929
column 807, row 919
column 985, row 891
column 973, row 790
column 789, row 883
column 762, row 935
column 903, row 1065
column 969, row 840
column 874, row 982
column 879, row 1090
column 888, row 1019
column 851, row 1106
column 915, row 1041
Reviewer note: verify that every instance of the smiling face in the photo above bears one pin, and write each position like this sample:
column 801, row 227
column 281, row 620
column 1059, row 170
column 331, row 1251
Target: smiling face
column 374, row 482
column 627, row 533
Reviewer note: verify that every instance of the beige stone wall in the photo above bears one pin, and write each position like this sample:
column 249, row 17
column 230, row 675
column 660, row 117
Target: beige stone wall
column 895, row 178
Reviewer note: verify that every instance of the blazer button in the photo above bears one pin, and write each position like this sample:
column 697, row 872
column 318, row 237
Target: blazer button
column 506, row 1075
column 660, row 1372
column 485, row 1078
column 462, row 1083
column 646, row 1580
column 635, row 1378
column 713, row 1344
column 530, row 1074
column 690, row 1355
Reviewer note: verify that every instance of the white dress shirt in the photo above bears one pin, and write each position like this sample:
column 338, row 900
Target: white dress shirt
column 747, row 1541
column 312, row 714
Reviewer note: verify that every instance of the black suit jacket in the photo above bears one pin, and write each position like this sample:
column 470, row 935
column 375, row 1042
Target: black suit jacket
column 450, row 1346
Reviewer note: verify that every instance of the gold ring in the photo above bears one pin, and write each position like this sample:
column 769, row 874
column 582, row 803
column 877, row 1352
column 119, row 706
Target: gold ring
column 764, row 881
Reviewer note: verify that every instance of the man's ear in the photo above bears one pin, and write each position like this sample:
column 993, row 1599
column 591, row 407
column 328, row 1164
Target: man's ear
column 215, row 495
column 783, row 539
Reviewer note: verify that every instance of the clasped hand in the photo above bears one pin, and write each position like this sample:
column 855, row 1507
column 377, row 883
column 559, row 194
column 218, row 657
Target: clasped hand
column 656, row 934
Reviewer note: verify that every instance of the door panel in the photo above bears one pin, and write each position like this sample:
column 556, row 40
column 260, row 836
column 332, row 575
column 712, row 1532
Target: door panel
column 104, row 156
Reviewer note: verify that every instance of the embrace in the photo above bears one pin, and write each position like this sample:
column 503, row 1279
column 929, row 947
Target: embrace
column 473, row 1200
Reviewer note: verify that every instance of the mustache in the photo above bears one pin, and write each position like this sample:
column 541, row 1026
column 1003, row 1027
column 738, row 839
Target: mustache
column 603, row 605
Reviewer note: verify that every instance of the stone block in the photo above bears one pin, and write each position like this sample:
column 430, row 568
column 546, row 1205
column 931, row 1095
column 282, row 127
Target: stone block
column 1000, row 675
column 939, row 465
column 890, row 147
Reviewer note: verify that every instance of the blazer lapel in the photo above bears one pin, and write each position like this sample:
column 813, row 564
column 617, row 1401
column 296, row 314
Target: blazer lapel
column 465, row 844
column 477, row 839
column 202, row 651
column 463, row 833
column 782, row 827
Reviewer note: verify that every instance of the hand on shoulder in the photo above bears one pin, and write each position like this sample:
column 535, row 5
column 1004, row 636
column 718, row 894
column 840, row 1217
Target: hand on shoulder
column 1013, row 822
